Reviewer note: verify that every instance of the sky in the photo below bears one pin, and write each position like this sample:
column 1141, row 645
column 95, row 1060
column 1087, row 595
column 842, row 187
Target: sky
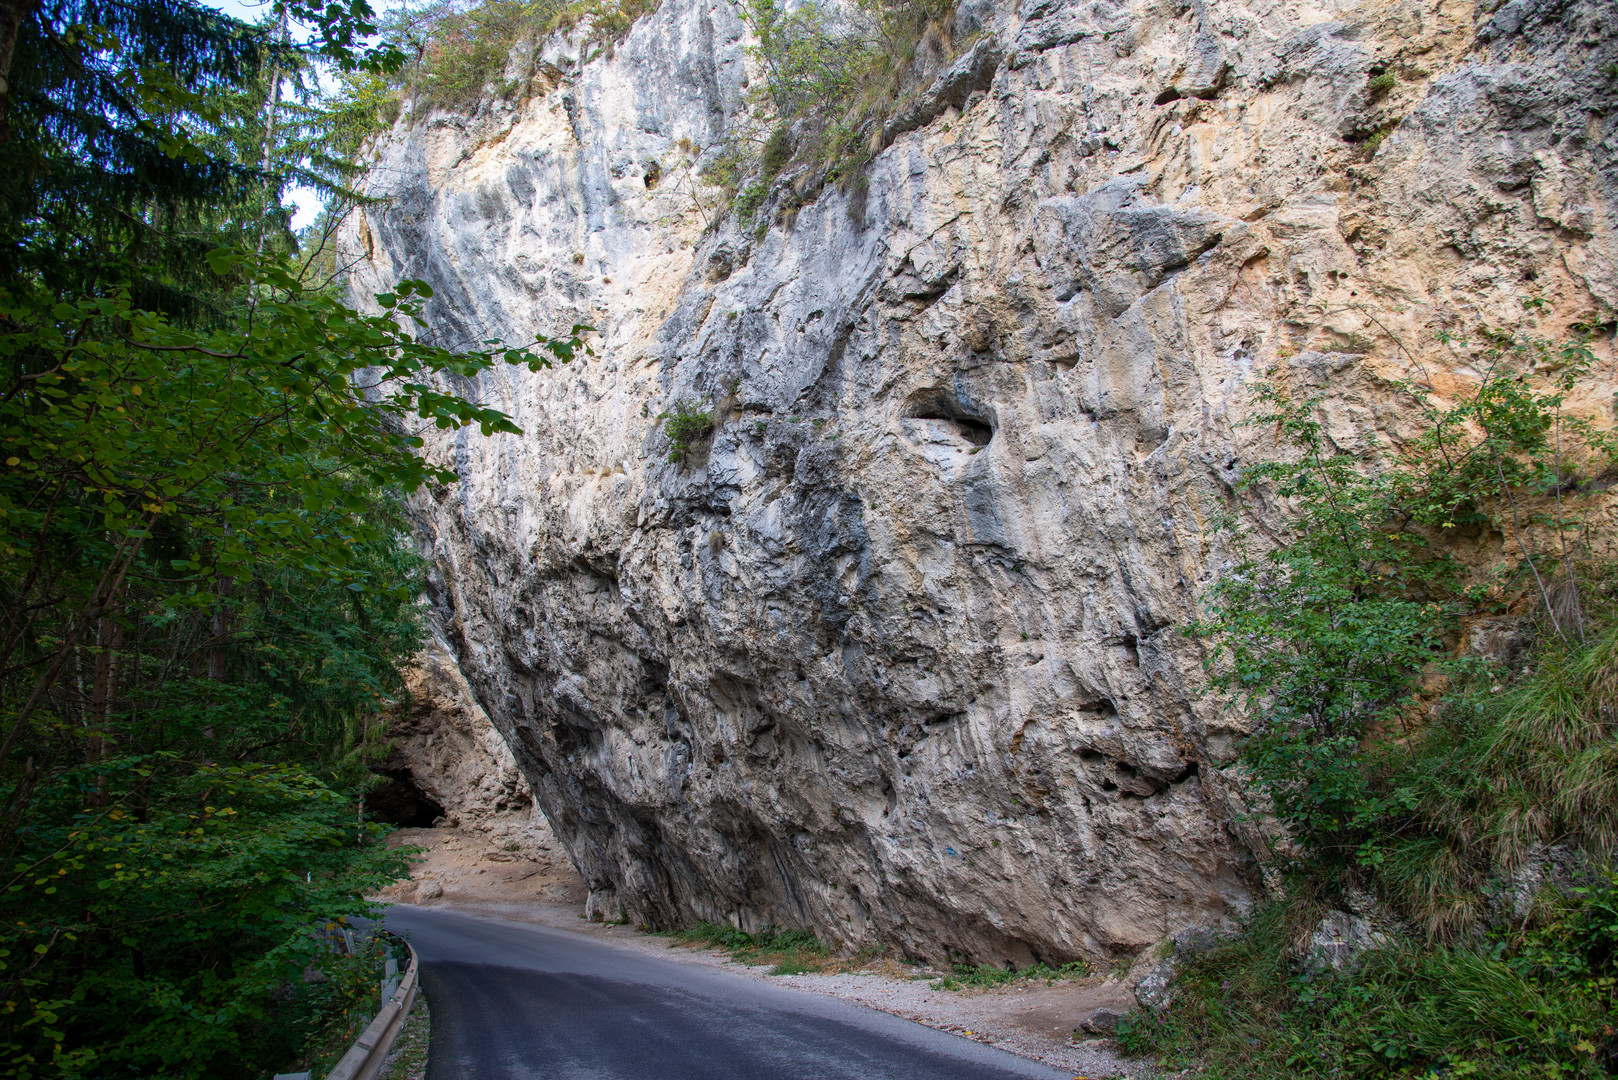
column 306, row 199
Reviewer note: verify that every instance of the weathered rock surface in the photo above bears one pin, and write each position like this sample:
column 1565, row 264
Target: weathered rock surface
column 1155, row 991
column 902, row 659
column 1340, row 942
column 445, row 747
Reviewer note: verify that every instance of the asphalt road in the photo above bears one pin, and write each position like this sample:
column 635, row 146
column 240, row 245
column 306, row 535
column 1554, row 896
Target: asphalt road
column 513, row 1001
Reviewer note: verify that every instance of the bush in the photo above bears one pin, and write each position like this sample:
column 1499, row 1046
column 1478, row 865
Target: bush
column 1535, row 1006
column 1405, row 768
column 461, row 51
column 686, row 425
column 1339, row 632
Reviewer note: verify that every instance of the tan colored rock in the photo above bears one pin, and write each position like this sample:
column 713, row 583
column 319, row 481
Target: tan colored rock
column 443, row 741
column 903, row 659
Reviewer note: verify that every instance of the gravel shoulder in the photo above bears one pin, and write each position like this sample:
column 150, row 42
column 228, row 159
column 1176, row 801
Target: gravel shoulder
column 513, row 869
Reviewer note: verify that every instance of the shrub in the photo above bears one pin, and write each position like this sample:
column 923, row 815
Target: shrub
column 1333, row 634
column 686, row 425
column 1536, row 1005
column 461, row 51
column 1400, row 767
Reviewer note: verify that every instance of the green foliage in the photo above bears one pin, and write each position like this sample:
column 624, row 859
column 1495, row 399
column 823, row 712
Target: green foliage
column 686, row 425
column 785, row 952
column 989, row 976
column 205, row 590
column 207, row 598
column 832, row 75
column 720, row 935
column 460, row 52
column 1494, row 775
column 1421, row 777
column 143, row 135
column 1529, row 1005
column 1329, row 636
column 777, row 152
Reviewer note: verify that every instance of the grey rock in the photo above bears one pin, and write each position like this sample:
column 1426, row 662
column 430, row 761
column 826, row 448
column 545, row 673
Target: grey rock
column 1340, row 941
column 1196, row 940
column 1501, row 641
column 1102, row 1021
column 903, row 660
column 429, row 890
column 972, row 72
column 1554, row 867
column 444, row 741
column 1155, row 991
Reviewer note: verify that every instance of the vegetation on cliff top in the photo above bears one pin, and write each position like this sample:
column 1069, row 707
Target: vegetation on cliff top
column 832, row 74
column 458, row 54
column 1413, row 775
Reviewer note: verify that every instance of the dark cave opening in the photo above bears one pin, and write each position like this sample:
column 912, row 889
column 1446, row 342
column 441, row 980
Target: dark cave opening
column 401, row 802
column 937, row 405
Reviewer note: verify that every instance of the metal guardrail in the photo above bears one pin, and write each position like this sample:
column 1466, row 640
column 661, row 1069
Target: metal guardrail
column 364, row 1059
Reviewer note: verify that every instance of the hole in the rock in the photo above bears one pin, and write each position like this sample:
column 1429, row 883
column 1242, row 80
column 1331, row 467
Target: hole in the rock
column 654, row 173
column 401, row 802
column 1171, row 94
column 942, row 406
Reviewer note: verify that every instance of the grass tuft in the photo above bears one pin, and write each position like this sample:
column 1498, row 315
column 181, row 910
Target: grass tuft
column 988, row 976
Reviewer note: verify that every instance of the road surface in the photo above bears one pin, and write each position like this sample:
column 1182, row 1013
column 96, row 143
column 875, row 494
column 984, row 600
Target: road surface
column 513, row 1001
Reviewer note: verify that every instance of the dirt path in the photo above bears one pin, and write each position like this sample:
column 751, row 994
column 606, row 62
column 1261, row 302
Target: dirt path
column 512, row 868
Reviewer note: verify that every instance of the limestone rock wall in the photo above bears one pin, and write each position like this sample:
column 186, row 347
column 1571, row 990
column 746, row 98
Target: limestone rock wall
column 903, row 659
column 444, row 746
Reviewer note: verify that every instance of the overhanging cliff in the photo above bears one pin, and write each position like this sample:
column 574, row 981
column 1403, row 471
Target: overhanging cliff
column 902, row 656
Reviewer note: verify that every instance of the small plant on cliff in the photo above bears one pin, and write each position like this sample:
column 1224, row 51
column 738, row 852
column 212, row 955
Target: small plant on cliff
column 686, row 425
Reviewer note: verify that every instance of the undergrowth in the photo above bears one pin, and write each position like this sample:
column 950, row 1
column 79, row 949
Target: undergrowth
column 989, row 976
column 787, row 952
column 462, row 53
column 833, row 73
column 1538, row 1004
column 799, row 952
column 1417, row 782
column 335, row 1000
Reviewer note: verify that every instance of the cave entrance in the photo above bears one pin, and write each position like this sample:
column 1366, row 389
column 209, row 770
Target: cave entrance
column 400, row 801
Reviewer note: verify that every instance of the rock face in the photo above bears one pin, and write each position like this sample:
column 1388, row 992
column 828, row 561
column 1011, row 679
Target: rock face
column 901, row 657
column 445, row 748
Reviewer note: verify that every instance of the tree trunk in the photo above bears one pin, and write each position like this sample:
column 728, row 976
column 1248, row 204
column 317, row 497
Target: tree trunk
column 12, row 15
